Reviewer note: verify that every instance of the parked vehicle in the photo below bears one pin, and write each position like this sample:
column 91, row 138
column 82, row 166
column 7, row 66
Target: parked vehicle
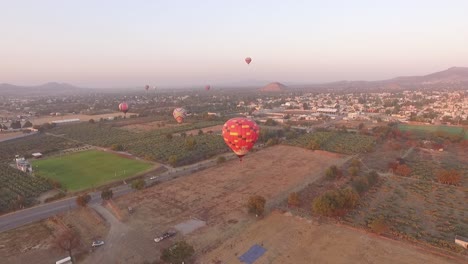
column 164, row 236
column 97, row 243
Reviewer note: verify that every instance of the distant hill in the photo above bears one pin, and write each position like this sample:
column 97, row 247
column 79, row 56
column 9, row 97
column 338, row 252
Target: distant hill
column 51, row 88
column 455, row 77
column 274, row 87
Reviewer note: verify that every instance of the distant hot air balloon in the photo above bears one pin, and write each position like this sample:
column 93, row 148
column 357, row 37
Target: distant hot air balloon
column 123, row 107
column 207, row 87
column 179, row 114
column 248, row 60
column 240, row 134
column 147, row 87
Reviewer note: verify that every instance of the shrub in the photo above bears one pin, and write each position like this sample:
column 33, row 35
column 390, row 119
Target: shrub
column 256, row 204
column 403, row 170
column 138, row 184
column 83, row 200
column 332, row 172
column 107, row 194
column 449, row 177
column 334, row 202
column 361, row 185
column 293, row 199
column 179, row 252
column 378, row 225
column 372, row 178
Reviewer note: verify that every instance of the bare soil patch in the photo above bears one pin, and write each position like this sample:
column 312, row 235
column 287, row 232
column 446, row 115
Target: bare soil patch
column 290, row 239
column 218, row 196
column 34, row 243
column 4, row 136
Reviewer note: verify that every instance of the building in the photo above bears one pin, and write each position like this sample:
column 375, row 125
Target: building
column 37, row 155
column 22, row 164
column 327, row 111
column 65, row 121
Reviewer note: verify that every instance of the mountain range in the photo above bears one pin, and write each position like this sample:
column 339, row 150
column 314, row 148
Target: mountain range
column 455, row 77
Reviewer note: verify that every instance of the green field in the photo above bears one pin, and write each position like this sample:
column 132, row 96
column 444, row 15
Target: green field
column 88, row 169
column 421, row 129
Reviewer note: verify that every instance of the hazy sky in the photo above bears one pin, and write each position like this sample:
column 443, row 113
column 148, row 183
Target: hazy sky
column 110, row 43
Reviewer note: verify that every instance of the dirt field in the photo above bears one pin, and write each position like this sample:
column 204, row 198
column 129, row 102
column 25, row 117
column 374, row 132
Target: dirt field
column 83, row 118
column 216, row 196
column 289, row 239
column 34, row 243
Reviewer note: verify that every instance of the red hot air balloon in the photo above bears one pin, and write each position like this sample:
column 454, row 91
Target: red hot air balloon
column 248, row 60
column 240, row 134
column 179, row 114
column 123, row 107
column 207, row 87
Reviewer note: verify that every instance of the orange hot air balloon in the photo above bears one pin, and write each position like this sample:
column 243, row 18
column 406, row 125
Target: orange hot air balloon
column 240, row 134
column 207, row 87
column 179, row 114
column 123, row 107
column 248, row 60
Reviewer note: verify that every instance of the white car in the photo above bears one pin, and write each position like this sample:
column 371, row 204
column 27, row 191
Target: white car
column 97, row 243
column 153, row 177
column 164, row 236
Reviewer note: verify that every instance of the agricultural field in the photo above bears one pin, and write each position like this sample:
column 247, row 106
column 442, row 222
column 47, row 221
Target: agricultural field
column 346, row 143
column 19, row 189
column 47, row 119
column 216, row 196
column 152, row 145
column 428, row 129
column 416, row 210
column 290, row 239
column 36, row 143
column 86, row 169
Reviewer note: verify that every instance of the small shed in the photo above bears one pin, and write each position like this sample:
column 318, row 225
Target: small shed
column 462, row 241
column 37, row 155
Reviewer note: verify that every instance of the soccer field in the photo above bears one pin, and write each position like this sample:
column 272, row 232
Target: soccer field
column 88, row 169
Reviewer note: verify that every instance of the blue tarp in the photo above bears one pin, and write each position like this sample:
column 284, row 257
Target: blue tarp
column 252, row 254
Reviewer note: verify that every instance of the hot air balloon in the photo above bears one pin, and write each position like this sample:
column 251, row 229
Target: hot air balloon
column 179, row 114
column 147, row 87
column 123, row 107
column 248, row 60
column 240, row 134
column 207, row 87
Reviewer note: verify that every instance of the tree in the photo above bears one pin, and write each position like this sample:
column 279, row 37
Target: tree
column 270, row 122
column 313, row 145
column 378, row 225
column 15, row 124
column 332, row 172
column 191, row 143
column 173, row 160
column 27, row 124
column 200, row 132
column 67, row 241
column 83, row 200
column 353, row 170
column 169, row 136
column 256, row 204
column 335, row 202
column 293, row 199
column 107, row 194
column 452, row 177
column 117, row 147
column 91, row 121
column 138, row 184
column 403, row 170
column 179, row 252
column 361, row 126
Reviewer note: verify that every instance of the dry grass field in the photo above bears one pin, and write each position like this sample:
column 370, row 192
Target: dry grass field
column 289, row 239
column 83, row 118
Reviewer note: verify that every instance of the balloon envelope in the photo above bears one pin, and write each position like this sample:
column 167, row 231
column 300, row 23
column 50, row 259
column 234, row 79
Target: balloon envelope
column 248, row 60
column 240, row 134
column 179, row 114
column 147, row 87
column 207, row 87
column 123, row 107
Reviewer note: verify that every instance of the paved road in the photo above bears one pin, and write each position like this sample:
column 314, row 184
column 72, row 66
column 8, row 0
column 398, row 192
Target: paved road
column 40, row 212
